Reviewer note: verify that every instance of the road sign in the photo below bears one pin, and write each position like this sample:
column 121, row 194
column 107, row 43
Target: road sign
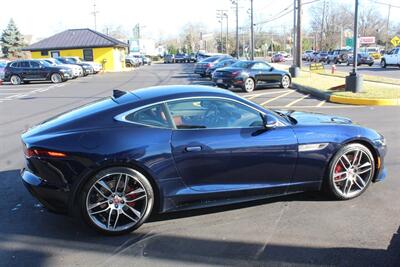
column 395, row 41
column 367, row 40
column 316, row 67
column 350, row 42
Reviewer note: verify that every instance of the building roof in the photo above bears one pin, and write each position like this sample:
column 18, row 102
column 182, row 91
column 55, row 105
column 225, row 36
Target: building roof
column 75, row 38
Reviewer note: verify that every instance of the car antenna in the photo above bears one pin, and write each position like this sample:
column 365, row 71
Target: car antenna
column 118, row 93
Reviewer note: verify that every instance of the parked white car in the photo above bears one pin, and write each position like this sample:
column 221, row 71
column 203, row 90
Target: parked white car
column 97, row 67
column 392, row 58
column 77, row 70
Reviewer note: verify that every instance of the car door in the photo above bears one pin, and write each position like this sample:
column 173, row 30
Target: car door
column 35, row 70
column 25, row 70
column 221, row 145
column 266, row 73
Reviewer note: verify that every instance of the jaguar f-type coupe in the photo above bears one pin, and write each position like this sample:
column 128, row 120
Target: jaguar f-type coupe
column 170, row 148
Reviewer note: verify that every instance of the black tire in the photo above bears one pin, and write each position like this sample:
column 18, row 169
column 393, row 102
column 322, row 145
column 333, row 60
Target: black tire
column 370, row 64
column 383, row 63
column 249, row 85
column 15, row 80
column 139, row 178
column 329, row 184
column 202, row 75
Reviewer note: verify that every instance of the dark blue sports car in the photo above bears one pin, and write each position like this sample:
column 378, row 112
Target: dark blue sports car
column 172, row 148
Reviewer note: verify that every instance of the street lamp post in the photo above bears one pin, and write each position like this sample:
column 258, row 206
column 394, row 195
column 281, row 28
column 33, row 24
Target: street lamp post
column 294, row 70
column 227, row 33
column 354, row 80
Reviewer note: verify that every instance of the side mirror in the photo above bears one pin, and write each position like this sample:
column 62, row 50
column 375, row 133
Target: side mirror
column 271, row 69
column 269, row 123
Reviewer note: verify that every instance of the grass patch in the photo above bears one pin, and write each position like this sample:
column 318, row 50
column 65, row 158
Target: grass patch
column 371, row 90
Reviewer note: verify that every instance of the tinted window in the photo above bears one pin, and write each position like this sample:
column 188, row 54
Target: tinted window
column 24, row 64
column 213, row 113
column 88, row 54
column 242, row 64
column 211, row 59
column 152, row 116
column 35, row 64
column 261, row 66
column 15, row 65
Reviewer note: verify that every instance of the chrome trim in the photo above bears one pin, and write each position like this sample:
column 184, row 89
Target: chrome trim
column 312, row 147
column 122, row 117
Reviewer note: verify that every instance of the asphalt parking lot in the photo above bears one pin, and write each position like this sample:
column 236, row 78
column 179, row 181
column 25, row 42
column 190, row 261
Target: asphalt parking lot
column 298, row 230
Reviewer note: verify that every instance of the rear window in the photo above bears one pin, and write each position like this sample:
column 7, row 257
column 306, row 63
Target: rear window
column 210, row 59
column 152, row 116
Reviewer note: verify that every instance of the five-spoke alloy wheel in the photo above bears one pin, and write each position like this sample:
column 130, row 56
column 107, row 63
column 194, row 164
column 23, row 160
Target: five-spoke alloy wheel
column 351, row 171
column 117, row 200
column 285, row 81
column 249, row 85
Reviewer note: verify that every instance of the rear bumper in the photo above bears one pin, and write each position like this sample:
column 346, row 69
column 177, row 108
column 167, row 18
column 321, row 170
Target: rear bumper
column 54, row 199
column 237, row 82
column 200, row 71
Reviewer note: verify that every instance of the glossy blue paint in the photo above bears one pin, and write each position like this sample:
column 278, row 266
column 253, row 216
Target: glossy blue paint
column 222, row 166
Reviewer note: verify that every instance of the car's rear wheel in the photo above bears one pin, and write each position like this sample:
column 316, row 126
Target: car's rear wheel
column 117, row 200
column 56, row 78
column 15, row 80
column 350, row 171
column 383, row 63
column 249, row 85
column 285, row 81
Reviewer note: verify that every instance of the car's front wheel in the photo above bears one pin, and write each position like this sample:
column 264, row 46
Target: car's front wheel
column 249, row 85
column 351, row 171
column 117, row 200
column 383, row 63
column 285, row 81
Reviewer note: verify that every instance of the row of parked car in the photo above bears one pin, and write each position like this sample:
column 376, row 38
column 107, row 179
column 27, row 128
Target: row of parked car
column 180, row 58
column 226, row 72
column 56, row 70
column 134, row 61
column 338, row 56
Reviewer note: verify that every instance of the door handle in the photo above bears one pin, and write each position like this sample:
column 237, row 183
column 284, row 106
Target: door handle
column 192, row 148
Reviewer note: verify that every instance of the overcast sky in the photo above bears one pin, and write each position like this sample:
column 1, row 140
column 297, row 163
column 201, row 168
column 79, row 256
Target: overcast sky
column 42, row 18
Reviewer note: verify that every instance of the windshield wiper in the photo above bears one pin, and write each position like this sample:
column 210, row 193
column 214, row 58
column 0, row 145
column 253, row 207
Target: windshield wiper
column 190, row 126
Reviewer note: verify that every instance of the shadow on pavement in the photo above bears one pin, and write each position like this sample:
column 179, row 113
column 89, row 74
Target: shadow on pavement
column 29, row 233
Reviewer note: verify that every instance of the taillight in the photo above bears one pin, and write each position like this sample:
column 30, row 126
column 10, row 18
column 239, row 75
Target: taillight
column 209, row 65
column 235, row 73
column 29, row 152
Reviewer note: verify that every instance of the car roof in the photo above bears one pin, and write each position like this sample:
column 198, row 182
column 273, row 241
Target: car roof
column 170, row 92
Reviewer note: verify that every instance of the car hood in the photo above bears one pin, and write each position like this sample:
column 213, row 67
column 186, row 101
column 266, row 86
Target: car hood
column 309, row 118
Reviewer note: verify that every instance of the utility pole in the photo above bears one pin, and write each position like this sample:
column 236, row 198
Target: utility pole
column 236, row 3
column 299, row 37
column 227, row 32
column 94, row 13
column 252, row 31
column 294, row 69
column 387, row 27
column 220, row 17
column 354, row 80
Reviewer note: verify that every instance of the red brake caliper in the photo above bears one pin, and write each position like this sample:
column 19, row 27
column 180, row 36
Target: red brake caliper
column 131, row 196
column 338, row 169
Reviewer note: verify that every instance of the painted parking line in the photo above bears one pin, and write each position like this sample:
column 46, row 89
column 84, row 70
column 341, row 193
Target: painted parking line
column 321, row 104
column 275, row 98
column 324, row 107
column 297, row 100
column 262, row 94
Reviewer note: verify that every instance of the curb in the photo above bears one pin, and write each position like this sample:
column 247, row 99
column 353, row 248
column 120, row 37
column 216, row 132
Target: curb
column 364, row 101
column 309, row 90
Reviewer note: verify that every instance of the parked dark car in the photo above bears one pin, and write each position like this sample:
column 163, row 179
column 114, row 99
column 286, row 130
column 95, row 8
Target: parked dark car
column 23, row 71
column 278, row 58
column 222, row 64
column 247, row 74
column 322, row 57
column 338, row 56
column 181, row 58
column 191, row 57
column 87, row 68
column 169, row 58
column 170, row 148
column 362, row 59
column 201, row 67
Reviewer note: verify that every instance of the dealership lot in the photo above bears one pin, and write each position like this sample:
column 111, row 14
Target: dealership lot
column 304, row 229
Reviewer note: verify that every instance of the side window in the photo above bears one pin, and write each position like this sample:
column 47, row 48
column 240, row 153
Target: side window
column 24, row 64
column 261, row 66
column 213, row 114
column 15, row 65
column 88, row 54
column 151, row 116
column 35, row 64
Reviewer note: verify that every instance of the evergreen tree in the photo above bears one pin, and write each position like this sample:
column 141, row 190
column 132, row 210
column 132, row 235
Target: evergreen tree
column 11, row 41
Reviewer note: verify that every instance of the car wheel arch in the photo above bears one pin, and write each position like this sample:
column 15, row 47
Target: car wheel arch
column 92, row 172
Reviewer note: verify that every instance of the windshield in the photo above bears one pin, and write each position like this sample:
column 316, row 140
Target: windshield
column 45, row 63
column 242, row 64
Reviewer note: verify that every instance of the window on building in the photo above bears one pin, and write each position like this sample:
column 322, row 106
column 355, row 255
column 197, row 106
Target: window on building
column 44, row 53
column 55, row 54
column 88, row 54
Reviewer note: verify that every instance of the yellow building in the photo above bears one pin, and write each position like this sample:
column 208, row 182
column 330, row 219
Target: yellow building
column 87, row 44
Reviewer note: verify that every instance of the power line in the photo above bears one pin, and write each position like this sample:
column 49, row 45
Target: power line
column 383, row 3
